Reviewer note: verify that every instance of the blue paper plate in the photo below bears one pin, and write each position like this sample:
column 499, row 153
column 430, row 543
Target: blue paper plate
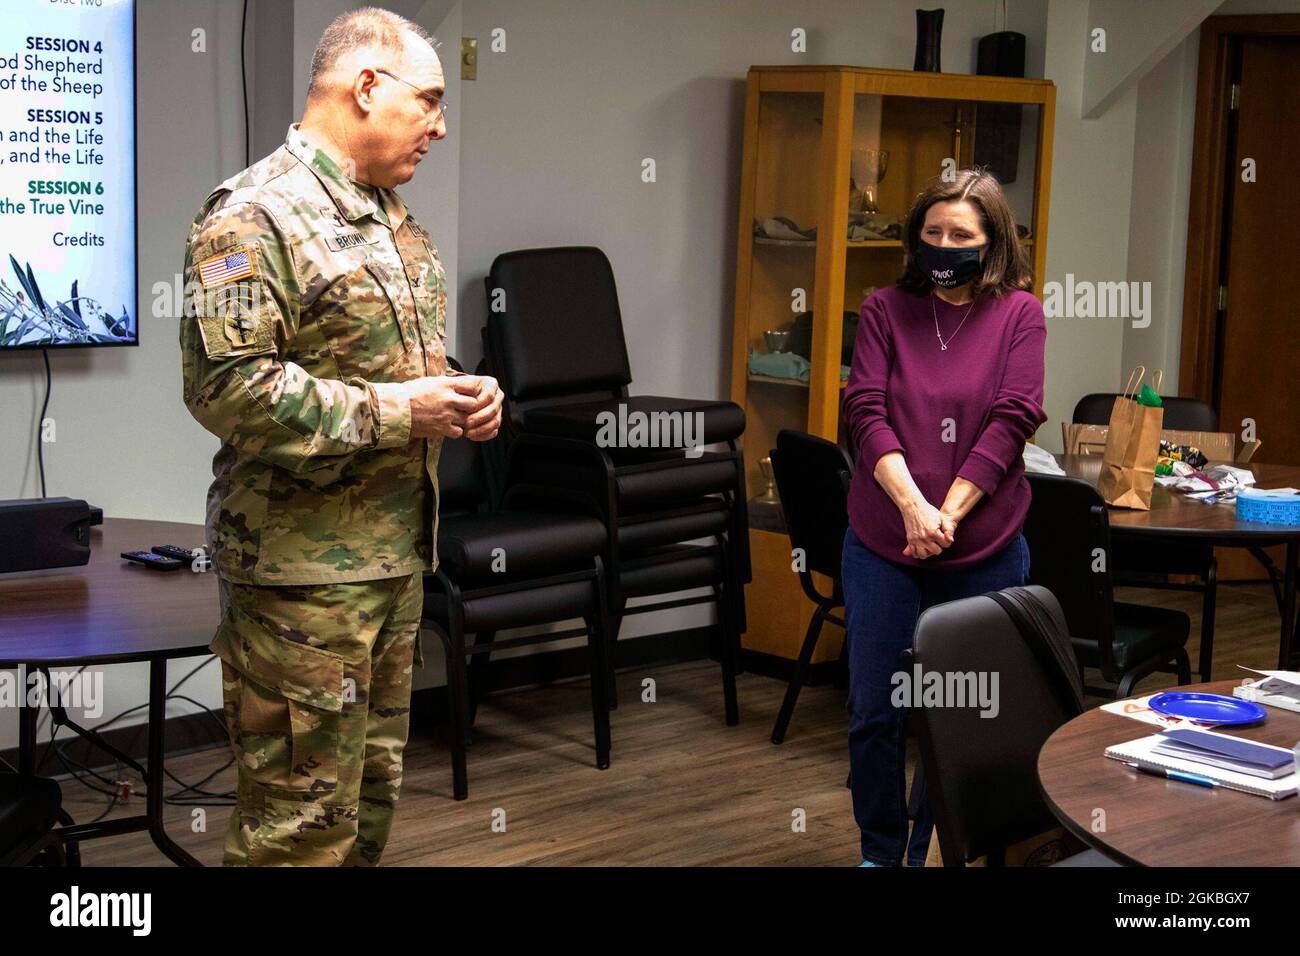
column 1207, row 708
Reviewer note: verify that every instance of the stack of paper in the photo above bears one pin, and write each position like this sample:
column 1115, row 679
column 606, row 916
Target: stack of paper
column 1143, row 753
column 1226, row 753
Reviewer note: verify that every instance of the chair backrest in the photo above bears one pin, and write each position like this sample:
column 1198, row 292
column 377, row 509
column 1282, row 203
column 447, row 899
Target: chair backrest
column 812, row 476
column 1181, row 414
column 981, row 771
column 554, row 326
column 1068, row 533
column 464, row 484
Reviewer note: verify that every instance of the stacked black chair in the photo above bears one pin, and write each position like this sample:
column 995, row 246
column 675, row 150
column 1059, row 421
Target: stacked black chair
column 505, row 567
column 29, row 809
column 981, row 772
column 1148, row 563
column 812, row 479
column 1068, row 531
column 554, row 339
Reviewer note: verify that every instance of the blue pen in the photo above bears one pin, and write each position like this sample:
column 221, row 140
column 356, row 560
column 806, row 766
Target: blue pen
column 1175, row 775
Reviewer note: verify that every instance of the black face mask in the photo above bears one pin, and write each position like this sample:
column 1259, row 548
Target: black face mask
column 949, row 267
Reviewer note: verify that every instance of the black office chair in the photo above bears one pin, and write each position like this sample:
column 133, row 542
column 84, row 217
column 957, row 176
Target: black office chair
column 812, row 478
column 29, row 809
column 501, row 568
column 554, row 339
column 1181, row 414
column 1068, row 532
column 981, row 772
column 1148, row 563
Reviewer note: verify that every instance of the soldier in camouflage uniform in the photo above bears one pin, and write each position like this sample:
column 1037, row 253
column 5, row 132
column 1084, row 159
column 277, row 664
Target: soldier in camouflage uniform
column 313, row 348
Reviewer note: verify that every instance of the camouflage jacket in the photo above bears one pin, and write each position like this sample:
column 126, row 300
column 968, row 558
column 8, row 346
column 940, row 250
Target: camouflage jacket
column 309, row 301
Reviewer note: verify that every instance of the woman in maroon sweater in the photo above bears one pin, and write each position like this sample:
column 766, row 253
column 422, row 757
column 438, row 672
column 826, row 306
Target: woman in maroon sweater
column 946, row 386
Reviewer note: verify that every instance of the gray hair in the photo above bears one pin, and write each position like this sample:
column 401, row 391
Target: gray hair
column 360, row 29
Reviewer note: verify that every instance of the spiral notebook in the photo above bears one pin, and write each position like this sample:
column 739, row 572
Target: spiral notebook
column 1140, row 752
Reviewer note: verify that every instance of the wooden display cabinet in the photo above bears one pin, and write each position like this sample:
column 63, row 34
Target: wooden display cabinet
column 808, row 129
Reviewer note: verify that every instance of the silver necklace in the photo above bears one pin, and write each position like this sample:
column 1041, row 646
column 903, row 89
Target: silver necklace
column 942, row 344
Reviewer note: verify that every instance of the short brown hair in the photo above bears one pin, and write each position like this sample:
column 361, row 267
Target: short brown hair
column 1006, row 264
column 358, row 29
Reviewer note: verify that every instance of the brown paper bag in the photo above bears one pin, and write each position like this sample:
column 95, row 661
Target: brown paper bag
column 1128, row 467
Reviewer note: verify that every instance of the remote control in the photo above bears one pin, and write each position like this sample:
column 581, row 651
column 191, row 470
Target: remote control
column 155, row 561
column 176, row 551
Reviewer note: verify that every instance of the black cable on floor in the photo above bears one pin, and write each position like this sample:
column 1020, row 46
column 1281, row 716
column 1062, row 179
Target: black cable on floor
column 226, row 798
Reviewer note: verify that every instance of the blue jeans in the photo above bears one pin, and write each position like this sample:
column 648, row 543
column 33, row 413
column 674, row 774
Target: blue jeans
column 882, row 603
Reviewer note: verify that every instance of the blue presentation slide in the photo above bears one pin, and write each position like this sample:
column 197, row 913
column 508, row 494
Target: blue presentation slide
column 67, row 173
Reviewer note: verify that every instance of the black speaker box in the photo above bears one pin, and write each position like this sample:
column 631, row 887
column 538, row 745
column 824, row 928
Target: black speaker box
column 44, row 533
column 997, row 125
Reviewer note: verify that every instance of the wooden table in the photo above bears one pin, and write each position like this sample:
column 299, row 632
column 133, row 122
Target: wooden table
column 111, row 611
column 1154, row 822
column 1175, row 516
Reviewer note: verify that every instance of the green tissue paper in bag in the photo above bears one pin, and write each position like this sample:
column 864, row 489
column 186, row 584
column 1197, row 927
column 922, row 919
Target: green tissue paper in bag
column 1149, row 396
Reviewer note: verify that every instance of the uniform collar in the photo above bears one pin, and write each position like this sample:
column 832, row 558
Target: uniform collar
column 352, row 201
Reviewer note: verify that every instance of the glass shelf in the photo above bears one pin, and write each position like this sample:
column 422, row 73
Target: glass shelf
column 773, row 380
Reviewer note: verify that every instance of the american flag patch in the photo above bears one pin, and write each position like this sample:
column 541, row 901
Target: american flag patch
column 227, row 267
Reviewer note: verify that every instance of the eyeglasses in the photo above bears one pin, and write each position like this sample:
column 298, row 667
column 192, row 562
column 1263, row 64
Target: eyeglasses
column 432, row 104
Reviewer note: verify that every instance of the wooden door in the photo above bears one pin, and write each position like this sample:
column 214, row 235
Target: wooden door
column 1239, row 350
column 1258, row 360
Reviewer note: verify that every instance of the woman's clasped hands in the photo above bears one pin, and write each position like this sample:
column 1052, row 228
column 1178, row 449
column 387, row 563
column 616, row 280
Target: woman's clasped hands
column 929, row 530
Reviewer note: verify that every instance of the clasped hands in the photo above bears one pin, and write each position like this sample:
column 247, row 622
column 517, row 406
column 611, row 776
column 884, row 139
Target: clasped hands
column 929, row 529
column 455, row 406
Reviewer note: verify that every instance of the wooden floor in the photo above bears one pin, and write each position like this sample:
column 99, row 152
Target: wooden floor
column 684, row 789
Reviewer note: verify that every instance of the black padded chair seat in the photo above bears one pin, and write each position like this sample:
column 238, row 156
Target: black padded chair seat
column 653, row 490
column 722, row 421
column 28, row 807
column 709, row 518
column 534, row 545
column 671, row 569
column 500, row 612
column 1141, row 632
column 639, row 491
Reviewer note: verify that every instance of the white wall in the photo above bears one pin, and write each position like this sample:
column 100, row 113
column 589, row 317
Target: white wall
column 1137, row 36
column 434, row 193
column 1162, row 172
column 1092, row 169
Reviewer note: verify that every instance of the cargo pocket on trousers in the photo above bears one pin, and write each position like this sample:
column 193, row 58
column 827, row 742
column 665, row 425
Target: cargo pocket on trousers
column 286, row 707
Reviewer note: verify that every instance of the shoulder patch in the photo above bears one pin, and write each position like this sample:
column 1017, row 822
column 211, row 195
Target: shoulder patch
column 230, row 266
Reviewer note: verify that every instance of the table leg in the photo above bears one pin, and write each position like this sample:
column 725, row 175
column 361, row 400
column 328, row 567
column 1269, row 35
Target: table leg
column 1288, row 605
column 155, row 779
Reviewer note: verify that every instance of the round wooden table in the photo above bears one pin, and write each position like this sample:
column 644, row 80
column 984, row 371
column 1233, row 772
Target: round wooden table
column 1153, row 822
column 1176, row 517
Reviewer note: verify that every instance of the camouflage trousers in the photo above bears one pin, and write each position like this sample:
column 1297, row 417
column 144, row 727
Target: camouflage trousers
column 316, row 681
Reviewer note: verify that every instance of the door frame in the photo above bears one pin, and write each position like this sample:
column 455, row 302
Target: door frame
column 1205, row 214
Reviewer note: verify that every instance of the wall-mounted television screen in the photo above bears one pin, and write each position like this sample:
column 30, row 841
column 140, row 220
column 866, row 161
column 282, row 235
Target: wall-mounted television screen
column 67, row 174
